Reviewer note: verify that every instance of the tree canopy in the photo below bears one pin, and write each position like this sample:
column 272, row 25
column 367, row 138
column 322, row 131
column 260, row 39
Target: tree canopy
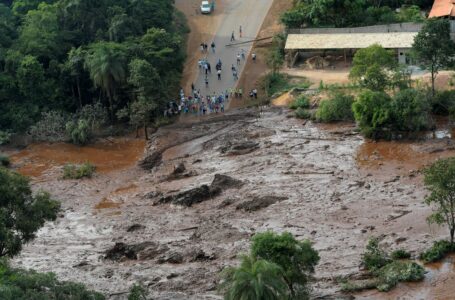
column 440, row 181
column 434, row 48
column 21, row 212
column 341, row 13
column 61, row 55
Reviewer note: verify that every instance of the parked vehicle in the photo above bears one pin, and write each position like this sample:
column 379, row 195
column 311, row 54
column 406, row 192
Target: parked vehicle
column 206, row 7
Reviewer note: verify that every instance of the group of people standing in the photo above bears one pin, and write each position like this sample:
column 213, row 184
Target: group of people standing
column 200, row 105
column 196, row 103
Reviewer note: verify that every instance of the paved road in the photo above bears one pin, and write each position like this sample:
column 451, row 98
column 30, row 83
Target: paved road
column 249, row 14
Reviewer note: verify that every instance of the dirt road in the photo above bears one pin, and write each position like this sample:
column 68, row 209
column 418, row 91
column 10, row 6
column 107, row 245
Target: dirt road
column 246, row 13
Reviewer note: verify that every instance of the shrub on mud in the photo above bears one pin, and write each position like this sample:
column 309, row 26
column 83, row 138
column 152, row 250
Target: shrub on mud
column 78, row 171
column 338, row 108
column 79, row 131
column 302, row 113
column 301, row 102
column 443, row 102
column 4, row 160
column 374, row 257
column 372, row 113
column 400, row 254
column 398, row 271
column 438, row 251
column 24, row 284
column 380, row 116
column 385, row 273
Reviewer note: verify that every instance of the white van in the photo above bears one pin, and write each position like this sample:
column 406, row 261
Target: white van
column 206, row 7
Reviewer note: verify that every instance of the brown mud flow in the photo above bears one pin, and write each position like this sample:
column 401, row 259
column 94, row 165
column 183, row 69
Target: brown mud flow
column 296, row 177
column 107, row 155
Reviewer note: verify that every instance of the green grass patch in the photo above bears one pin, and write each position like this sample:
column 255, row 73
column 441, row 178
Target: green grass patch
column 438, row 251
column 71, row 171
column 337, row 108
column 4, row 160
column 274, row 83
column 400, row 254
column 301, row 102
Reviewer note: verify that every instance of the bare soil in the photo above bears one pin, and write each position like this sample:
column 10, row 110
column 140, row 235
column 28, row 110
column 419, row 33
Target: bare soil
column 311, row 180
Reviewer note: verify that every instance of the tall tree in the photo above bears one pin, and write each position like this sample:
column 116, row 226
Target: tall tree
column 434, row 48
column 371, row 67
column 75, row 66
column 40, row 35
column 296, row 258
column 106, row 63
column 21, row 212
column 440, row 181
column 254, row 279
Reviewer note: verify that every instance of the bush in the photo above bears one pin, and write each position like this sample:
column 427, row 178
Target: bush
column 4, row 160
column 400, row 254
column 410, row 111
column 379, row 115
column 78, row 171
column 397, row 271
column 359, row 285
column 94, row 114
column 21, row 284
column 372, row 112
column 4, row 137
column 137, row 292
column 301, row 113
column 51, row 127
column 374, row 257
column 301, row 102
column 338, row 108
column 437, row 252
column 443, row 102
column 79, row 132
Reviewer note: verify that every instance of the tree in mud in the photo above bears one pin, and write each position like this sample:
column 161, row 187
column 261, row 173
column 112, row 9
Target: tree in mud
column 296, row 258
column 21, row 212
column 440, row 181
column 434, row 48
column 254, row 279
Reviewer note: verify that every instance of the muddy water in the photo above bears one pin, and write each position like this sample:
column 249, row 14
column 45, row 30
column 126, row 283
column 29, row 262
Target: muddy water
column 107, row 155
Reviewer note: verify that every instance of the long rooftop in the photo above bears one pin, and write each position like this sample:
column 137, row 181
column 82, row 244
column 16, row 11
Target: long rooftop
column 389, row 40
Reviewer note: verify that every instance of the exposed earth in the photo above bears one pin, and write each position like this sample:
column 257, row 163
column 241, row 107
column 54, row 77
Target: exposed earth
column 172, row 216
column 312, row 180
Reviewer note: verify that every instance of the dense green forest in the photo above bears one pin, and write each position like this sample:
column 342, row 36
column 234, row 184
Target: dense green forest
column 351, row 13
column 67, row 59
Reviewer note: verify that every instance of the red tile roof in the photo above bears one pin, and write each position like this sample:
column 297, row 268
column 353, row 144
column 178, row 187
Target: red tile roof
column 443, row 8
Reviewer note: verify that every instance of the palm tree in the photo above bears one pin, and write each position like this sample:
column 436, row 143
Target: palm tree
column 254, row 279
column 106, row 65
